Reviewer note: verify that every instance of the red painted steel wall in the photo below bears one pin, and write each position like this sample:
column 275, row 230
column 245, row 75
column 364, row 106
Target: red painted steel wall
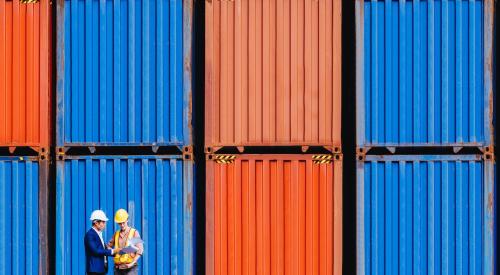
column 277, row 214
column 25, row 73
column 273, row 72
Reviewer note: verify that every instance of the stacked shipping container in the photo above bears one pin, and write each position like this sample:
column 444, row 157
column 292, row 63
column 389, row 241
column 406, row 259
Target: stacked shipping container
column 274, row 214
column 124, row 74
column 24, row 215
column 424, row 79
column 425, row 75
column 426, row 214
column 156, row 190
column 25, row 135
column 124, row 82
column 25, row 75
column 272, row 73
column 272, row 79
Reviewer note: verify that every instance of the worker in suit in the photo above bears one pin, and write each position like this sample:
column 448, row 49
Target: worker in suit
column 95, row 251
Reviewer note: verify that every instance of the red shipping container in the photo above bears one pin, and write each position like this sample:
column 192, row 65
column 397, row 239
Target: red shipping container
column 273, row 73
column 273, row 214
column 25, row 74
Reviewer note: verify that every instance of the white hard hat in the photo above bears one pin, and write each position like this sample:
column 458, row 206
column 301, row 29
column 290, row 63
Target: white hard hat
column 98, row 215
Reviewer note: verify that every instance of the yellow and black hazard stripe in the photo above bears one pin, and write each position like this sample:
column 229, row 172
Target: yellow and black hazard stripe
column 29, row 1
column 322, row 159
column 224, row 159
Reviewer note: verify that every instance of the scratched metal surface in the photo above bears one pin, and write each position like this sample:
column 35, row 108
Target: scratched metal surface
column 157, row 191
column 426, row 214
column 124, row 72
column 424, row 72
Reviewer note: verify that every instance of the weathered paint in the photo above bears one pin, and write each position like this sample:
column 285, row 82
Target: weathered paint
column 273, row 72
column 157, row 191
column 274, row 214
column 425, row 214
column 19, row 217
column 124, row 73
column 424, row 72
column 25, row 73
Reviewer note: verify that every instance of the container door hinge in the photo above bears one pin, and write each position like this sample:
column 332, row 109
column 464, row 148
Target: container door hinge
column 60, row 153
column 187, row 153
column 43, row 153
column 488, row 152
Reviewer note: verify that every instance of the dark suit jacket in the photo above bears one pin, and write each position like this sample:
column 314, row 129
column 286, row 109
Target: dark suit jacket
column 95, row 252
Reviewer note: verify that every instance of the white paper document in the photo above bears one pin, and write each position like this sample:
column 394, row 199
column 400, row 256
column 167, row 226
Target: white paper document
column 132, row 248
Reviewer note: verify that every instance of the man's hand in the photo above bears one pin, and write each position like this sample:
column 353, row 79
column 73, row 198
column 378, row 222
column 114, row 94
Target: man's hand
column 117, row 250
column 126, row 266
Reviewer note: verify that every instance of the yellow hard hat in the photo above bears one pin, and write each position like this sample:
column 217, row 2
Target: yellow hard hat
column 121, row 216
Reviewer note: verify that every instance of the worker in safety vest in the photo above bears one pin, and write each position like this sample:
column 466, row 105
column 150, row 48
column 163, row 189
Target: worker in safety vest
column 125, row 263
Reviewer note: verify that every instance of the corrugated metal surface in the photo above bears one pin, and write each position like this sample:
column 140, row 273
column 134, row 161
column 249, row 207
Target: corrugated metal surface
column 19, row 213
column 157, row 192
column 426, row 215
column 424, row 72
column 274, row 214
column 25, row 73
column 273, row 72
column 124, row 72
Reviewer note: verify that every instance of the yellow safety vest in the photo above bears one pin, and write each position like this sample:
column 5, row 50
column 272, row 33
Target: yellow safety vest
column 124, row 258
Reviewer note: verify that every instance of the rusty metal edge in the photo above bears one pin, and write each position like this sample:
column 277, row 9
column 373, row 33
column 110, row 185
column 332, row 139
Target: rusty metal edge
column 489, row 218
column 360, row 101
column 44, row 218
column 489, row 15
column 188, row 10
column 60, row 63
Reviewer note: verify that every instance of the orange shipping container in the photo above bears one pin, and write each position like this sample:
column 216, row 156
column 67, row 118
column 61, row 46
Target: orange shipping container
column 273, row 214
column 273, row 72
column 25, row 74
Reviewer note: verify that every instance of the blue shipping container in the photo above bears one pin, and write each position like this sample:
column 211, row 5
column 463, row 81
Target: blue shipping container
column 157, row 191
column 426, row 214
column 424, row 73
column 124, row 73
column 19, row 216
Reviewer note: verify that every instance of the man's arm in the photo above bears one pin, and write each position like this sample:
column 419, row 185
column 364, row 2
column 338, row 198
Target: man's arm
column 138, row 254
column 140, row 247
column 95, row 247
column 111, row 242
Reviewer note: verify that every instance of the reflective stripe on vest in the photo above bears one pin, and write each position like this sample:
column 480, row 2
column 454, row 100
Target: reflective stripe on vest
column 123, row 258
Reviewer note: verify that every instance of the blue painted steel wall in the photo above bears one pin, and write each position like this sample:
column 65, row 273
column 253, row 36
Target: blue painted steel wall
column 425, row 215
column 424, row 72
column 19, row 250
column 123, row 72
column 157, row 192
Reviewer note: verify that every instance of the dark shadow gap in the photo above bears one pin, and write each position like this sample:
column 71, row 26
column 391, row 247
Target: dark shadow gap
column 18, row 151
column 349, row 137
column 119, row 150
column 198, row 86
